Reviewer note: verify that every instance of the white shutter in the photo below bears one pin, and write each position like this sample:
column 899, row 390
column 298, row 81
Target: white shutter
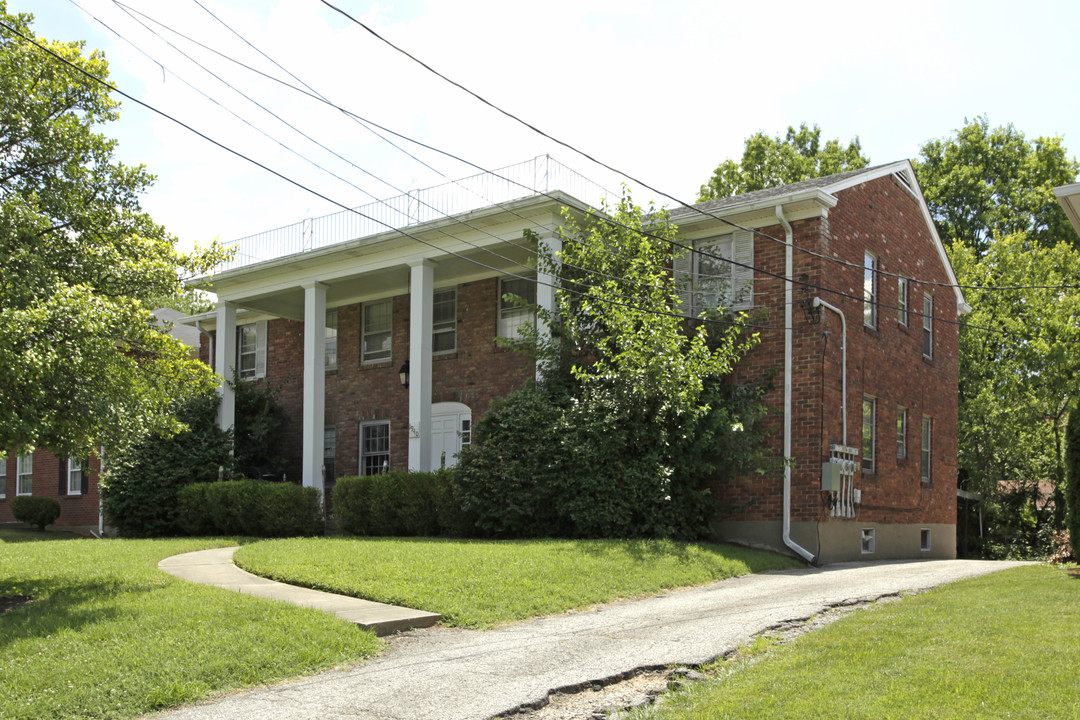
column 742, row 275
column 682, row 271
column 260, row 349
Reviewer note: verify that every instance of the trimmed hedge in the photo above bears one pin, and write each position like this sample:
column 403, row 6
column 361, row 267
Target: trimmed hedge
column 249, row 507
column 40, row 511
column 399, row 503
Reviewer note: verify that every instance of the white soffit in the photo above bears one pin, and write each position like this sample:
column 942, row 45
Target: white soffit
column 1069, row 197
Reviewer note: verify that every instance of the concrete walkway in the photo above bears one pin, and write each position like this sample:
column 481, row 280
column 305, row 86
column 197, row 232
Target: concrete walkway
column 215, row 567
column 448, row 674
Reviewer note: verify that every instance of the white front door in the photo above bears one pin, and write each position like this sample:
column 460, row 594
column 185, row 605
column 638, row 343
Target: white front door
column 451, row 426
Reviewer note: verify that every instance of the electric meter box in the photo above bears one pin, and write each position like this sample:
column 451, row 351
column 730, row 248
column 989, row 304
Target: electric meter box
column 831, row 476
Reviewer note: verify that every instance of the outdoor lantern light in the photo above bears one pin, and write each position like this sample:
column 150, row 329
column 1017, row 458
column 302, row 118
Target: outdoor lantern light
column 403, row 373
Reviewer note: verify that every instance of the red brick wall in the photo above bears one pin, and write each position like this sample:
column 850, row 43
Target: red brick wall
column 886, row 362
column 75, row 510
column 475, row 374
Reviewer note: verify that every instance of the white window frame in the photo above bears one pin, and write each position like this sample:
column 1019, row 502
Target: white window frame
column 901, row 432
column 447, row 327
column 24, row 475
column 868, row 454
column 928, row 326
column 381, row 355
column 76, row 469
column 738, row 275
column 3, row 475
column 925, row 456
column 367, row 452
column 512, row 316
column 331, row 339
column 256, row 351
column 870, row 289
column 902, row 292
column 869, row 541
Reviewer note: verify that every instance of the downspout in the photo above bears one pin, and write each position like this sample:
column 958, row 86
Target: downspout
column 789, row 299
column 818, row 302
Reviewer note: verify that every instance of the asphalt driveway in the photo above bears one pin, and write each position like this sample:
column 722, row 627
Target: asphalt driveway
column 447, row 674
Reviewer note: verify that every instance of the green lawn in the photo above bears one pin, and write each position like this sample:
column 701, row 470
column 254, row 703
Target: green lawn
column 108, row 635
column 483, row 583
column 1005, row 645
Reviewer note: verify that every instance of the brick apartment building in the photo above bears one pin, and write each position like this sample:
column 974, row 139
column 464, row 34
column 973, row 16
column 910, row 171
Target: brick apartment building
column 337, row 313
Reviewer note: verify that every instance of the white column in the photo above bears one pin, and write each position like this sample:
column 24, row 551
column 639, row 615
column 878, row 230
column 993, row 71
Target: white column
column 314, row 382
column 550, row 245
column 421, row 289
column 225, row 362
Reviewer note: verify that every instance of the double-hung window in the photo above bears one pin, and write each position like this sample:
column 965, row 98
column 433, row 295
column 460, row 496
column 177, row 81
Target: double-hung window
column 331, row 339
column 377, row 332
column 444, row 322
column 718, row 273
column 902, row 301
column 24, row 475
column 869, row 410
column 513, row 315
column 924, row 465
column 870, row 294
column 3, row 474
column 374, row 448
column 251, row 350
column 928, row 326
column 76, row 476
column 901, row 432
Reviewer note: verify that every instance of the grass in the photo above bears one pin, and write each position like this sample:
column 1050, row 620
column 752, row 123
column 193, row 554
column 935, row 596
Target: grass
column 108, row 635
column 484, row 583
column 999, row 646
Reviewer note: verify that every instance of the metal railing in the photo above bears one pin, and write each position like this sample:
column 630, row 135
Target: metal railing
column 527, row 179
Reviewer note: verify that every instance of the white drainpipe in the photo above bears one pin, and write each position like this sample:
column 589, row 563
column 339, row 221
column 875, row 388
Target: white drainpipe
column 818, row 302
column 789, row 292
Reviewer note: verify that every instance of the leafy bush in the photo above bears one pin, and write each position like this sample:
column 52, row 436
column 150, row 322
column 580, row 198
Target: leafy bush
column 398, row 503
column 140, row 482
column 40, row 511
column 1072, row 487
column 260, row 422
column 249, row 507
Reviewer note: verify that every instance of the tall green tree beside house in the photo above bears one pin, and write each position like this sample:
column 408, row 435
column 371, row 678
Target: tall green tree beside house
column 772, row 161
column 1072, row 492
column 81, row 363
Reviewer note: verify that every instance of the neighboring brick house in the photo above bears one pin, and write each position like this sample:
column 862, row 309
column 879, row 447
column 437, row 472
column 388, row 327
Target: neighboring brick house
column 333, row 319
column 72, row 481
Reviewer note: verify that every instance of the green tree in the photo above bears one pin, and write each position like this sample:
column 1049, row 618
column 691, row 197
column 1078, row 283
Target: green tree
column 772, row 161
column 1072, row 493
column 634, row 415
column 984, row 182
column 1017, row 383
column 81, row 363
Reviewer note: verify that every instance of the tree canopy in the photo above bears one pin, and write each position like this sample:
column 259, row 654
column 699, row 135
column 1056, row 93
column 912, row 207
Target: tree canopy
column 81, row 361
column 985, row 181
column 772, row 161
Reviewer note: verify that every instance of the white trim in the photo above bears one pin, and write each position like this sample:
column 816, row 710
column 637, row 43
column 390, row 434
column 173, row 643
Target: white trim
column 73, row 465
column 365, row 331
column 20, row 473
column 389, row 446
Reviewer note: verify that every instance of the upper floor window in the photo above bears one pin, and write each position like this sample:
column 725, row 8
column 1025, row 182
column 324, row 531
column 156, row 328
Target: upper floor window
column 377, row 332
column 928, row 326
column 24, row 475
column 902, row 301
column 869, row 410
column 870, row 295
column 924, row 464
column 444, row 321
column 251, row 350
column 717, row 273
column 513, row 316
column 76, row 476
column 331, row 339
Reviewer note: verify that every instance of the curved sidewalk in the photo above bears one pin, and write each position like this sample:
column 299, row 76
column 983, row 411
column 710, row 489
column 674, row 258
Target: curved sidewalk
column 215, row 567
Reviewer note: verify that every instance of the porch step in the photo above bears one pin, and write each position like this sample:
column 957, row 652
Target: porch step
column 215, row 567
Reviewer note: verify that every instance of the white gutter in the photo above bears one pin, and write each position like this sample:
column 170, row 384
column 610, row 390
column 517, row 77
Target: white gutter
column 789, row 293
column 818, row 302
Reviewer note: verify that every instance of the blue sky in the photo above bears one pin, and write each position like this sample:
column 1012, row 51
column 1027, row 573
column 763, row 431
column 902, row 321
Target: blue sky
column 663, row 91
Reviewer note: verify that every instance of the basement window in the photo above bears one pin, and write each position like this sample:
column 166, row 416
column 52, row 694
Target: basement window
column 868, row 541
column 924, row 540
